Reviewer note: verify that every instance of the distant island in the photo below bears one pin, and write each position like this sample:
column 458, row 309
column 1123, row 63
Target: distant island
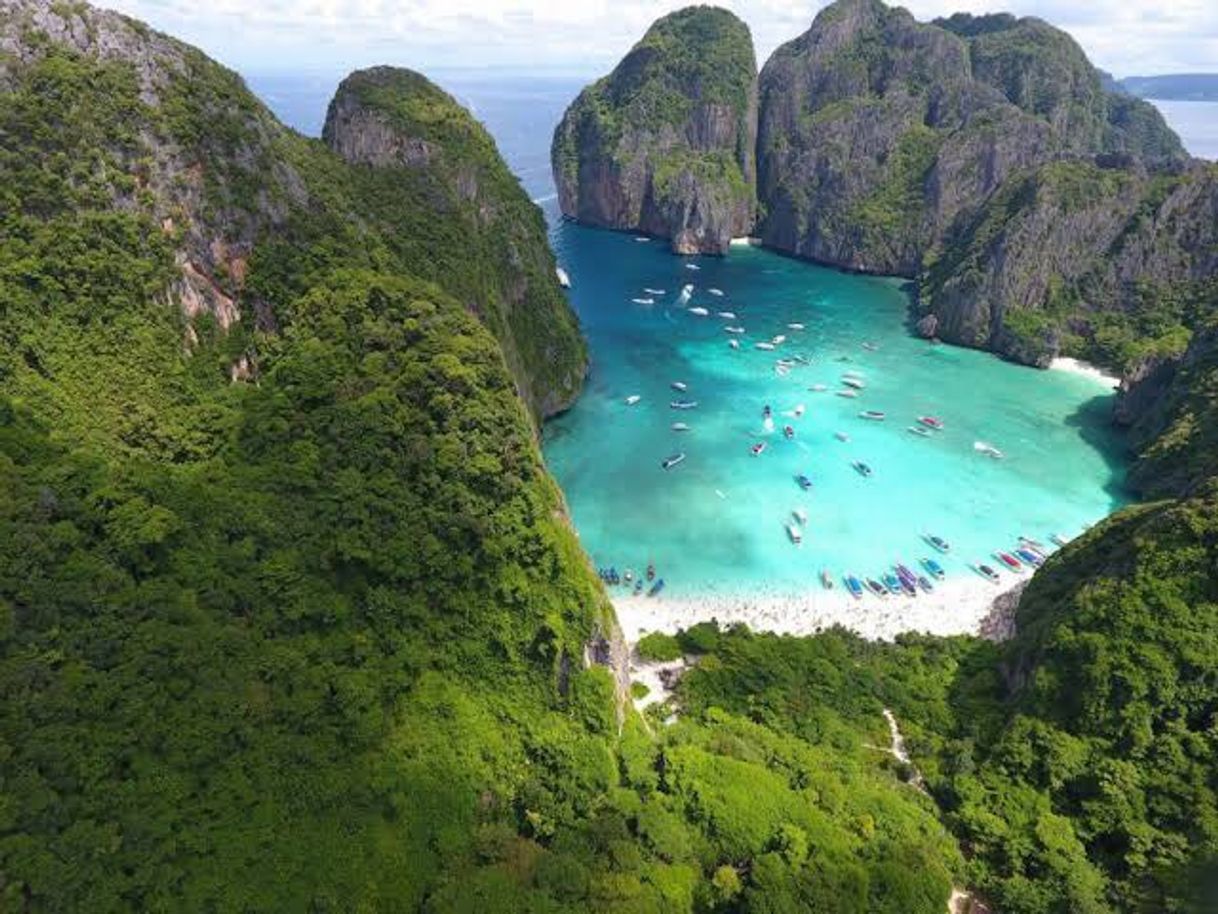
column 1173, row 87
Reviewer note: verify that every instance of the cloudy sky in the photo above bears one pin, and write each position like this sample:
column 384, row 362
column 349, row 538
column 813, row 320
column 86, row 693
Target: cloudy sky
column 1126, row 37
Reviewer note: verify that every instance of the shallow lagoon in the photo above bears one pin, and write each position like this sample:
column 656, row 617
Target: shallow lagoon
column 716, row 523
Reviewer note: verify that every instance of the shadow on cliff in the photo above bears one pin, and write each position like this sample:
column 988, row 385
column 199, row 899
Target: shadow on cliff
column 1093, row 419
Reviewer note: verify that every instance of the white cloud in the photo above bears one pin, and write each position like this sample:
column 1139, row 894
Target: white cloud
column 1124, row 36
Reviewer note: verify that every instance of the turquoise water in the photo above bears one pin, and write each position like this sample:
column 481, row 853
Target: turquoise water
column 716, row 521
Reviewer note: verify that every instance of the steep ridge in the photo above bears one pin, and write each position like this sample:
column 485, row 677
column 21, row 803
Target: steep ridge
column 664, row 143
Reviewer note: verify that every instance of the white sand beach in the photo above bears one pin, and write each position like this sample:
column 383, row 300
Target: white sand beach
column 957, row 607
column 1074, row 366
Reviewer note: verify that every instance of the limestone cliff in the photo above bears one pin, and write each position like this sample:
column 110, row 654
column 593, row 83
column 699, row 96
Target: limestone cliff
column 664, row 144
column 413, row 141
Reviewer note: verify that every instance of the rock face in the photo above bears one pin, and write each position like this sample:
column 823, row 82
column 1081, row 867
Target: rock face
column 415, row 140
column 665, row 143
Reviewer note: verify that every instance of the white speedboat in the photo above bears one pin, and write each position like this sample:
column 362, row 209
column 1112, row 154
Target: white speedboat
column 633, row 399
column 984, row 447
column 654, row 291
column 686, row 292
column 778, row 340
column 733, row 330
column 873, row 414
column 643, row 301
column 641, row 239
column 851, row 381
column 672, row 461
column 679, row 385
column 680, row 427
column 841, row 436
column 766, row 346
column 848, row 394
column 563, row 279
column 716, row 292
column 728, row 315
column 819, row 388
column 795, row 326
column 735, row 344
column 692, row 266
column 700, row 312
column 796, row 536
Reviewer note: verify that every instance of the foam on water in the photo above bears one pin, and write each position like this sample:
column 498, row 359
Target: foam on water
column 716, row 523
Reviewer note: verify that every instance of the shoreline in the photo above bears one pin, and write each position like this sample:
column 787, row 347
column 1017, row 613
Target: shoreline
column 1085, row 370
column 956, row 607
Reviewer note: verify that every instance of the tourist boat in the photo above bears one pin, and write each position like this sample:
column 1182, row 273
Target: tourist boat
column 909, row 588
column 1009, row 560
column 656, row 588
column 1029, row 557
column 651, row 571
column 701, row 312
column 781, row 369
column 934, row 568
column 854, row 585
column 788, row 432
column 920, row 431
column 727, row 315
column 873, row 414
column 765, row 346
column 564, row 280
column 735, row 344
column 692, row 266
column 733, row 330
column 800, row 515
column 802, row 359
column 641, row 239
column 643, row 301
column 871, row 347
column 938, row 542
column 804, row 482
column 793, row 532
column 876, row 587
column 633, row 399
column 714, row 291
column 932, row 422
column 627, row 576
column 679, row 385
column 778, row 340
column 638, row 587
column 905, row 574
column 988, row 449
column 757, row 448
column 925, row 584
column 988, row 573
column 819, row 388
column 655, row 291
column 861, row 468
column 856, row 383
column 848, row 394
column 826, row 579
column 680, row 427
column 669, row 462
column 1058, row 539
column 766, row 412
column 841, row 436
column 686, row 292
column 683, row 404
column 795, row 326
column 892, row 582
column 1030, row 543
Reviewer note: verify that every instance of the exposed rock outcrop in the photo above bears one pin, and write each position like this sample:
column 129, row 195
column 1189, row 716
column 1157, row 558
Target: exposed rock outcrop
column 664, row 144
column 422, row 144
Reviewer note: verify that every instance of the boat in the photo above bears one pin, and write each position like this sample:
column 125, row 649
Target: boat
column 841, row 436
column 988, row 573
column 733, row 330
column 873, row 414
column 651, row 571
column 1028, row 557
column 686, row 292
column 804, row 482
column 826, row 579
column 727, row 315
column 925, row 584
column 641, row 239
column 861, row 468
column 988, row 449
column 1034, row 544
column 564, row 279
column 854, row 585
column 794, row 533
column 795, row 326
column 638, row 587
column 683, row 404
column 680, row 427
column 768, row 424
column 819, row 388
column 938, row 542
column 778, row 340
column 920, row 431
column 654, row 291
column 856, row 383
column 800, row 515
column 904, row 573
column 627, row 576
column 643, row 301
column 801, row 359
column 934, row 568
column 876, row 587
column 892, row 582
column 852, row 374
column 679, row 385
column 692, row 266
column 848, row 394
column 932, row 422
column 1009, row 560
column 735, row 344
column 766, row 412
column 669, row 462
column 757, row 448
column 715, row 292
column 871, row 347
column 788, row 432
column 1058, row 539
column 656, row 588
column 781, row 370
column 765, row 346
column 701, row 312
column 633, row 399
